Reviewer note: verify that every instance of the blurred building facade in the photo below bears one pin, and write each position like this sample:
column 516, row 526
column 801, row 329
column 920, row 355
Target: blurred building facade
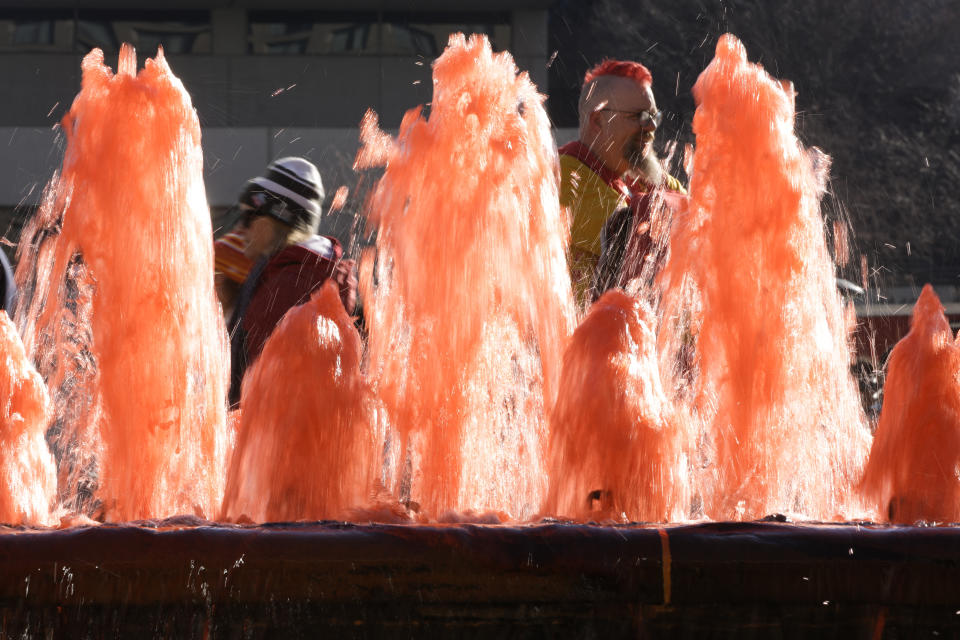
column 267, row 77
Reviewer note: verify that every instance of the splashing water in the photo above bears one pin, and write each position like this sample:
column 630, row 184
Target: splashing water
column 469, row 305
column 121, row 312
column 614, row 430
column 470, row 287
column 305, row 448
column 912, row 471
column 61, row 351
column 28, row 480
column 784, row 430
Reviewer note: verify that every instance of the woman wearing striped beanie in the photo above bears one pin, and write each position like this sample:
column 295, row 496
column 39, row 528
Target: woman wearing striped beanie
column 282, row 213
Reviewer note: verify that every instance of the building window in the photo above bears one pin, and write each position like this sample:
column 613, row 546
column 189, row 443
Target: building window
column 280, row 37
column 94, row 34
column 354, row 38
column 180, row 33
column 298, row 33
column 370, row 33
column 33, row 31
column 428, row 34
column 39, row 32
column 269, row 33
column 402, row 39
column 173, row 37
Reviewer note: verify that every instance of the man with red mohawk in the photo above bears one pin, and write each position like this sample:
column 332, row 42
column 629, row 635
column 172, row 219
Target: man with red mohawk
column 612, row 164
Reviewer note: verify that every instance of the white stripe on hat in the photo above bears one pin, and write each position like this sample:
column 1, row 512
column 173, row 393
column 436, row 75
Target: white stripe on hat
column 271, row 186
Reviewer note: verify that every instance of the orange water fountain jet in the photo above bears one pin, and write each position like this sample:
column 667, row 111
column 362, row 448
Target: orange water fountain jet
column 28, row 479
column 618, row 447
column 305, row 448
column 471, row 299
column 911, row 474
column 117, row 270
column 783, row 427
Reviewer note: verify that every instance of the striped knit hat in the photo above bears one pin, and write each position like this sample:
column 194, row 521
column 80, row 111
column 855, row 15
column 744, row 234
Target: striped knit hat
column 290, row 191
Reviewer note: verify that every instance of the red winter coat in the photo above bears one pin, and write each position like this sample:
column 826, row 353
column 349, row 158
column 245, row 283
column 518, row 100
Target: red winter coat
column 288, row 280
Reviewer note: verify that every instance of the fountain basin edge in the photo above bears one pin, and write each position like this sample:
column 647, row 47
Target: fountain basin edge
column 544, row 580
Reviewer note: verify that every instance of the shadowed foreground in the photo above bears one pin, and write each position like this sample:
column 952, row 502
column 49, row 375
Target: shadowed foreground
column 765, row 579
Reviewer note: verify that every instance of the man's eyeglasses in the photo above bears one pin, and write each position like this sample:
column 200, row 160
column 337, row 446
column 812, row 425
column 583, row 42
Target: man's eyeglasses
column 642, row 118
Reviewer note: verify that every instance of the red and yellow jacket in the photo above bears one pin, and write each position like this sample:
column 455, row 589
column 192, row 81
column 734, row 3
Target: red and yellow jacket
column 591, row 192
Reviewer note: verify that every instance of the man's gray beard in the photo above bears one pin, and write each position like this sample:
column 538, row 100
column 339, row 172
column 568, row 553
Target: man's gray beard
column 646, row 166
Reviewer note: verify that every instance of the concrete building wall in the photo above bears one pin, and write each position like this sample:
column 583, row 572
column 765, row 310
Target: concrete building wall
column 252, row 108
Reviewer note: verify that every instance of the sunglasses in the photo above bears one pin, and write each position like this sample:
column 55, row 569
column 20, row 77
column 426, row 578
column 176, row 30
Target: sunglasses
column 256, row 201
column 642, row 118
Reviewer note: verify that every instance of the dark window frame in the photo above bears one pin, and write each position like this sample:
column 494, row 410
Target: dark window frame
column 411, row 21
